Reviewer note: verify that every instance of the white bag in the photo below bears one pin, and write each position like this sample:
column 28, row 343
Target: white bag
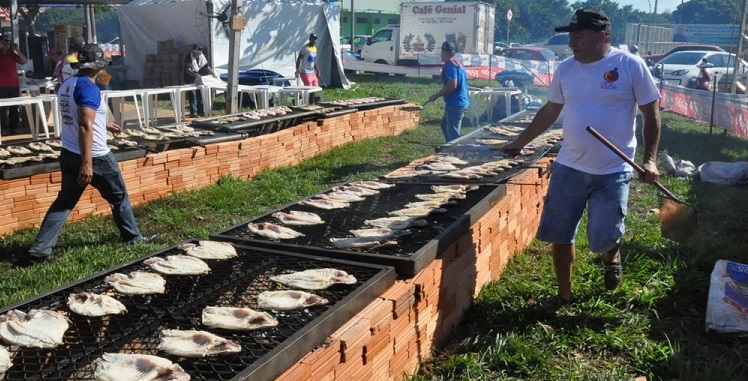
column 727, row 305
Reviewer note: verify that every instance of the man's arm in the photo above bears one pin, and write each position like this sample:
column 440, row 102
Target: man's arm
column 86, row 117
column 298, row 63
column 545, row 117
column 448, row 88
column 651, row 131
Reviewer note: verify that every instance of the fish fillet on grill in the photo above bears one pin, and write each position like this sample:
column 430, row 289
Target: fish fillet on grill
column 443, row 196
column 429, row 203
column 314, row 279
column 379, row 232
column 340, row 197
column 18, row 150
column 358, row 191
column 324, row 204
column 371, row 184
column 137, row 367
column 178, row 265
column 273, row 231
column 40, row 147
column 462, row 175
column 209, row 250
column 5, row 361
column 195, row 343
column 417, row 211
column 35, row 329
column 288, row 300
column 396, row 223
column 137, row 283
column 453, row 188
column 54, row 143
column 448, row 159
column 439, row 166
column 405, row 173
column 298, row 218
column 361, row 242
column 90, row 304
column 237, row 319
column 4, row 153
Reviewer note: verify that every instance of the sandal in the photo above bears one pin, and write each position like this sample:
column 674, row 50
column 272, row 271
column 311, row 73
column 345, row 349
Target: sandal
column 613, row 274
column 554, row 303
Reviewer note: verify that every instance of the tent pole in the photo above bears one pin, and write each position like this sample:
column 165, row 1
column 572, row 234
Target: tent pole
column 236, row 26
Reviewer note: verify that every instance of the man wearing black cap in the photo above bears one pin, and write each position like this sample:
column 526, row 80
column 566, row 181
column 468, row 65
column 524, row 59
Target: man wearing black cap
column 195, row 66
column 306, row 63
column 454, row 90
column 10, row 87
column 599, row 86
column 85, row 157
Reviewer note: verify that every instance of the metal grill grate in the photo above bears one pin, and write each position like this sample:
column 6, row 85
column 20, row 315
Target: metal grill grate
column 367, row 106
column 236, row 282
column 253, row 127
column 52, row 165
column 412, row 252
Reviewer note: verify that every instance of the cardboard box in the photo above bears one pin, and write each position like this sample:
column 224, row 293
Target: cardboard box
column 166, row 46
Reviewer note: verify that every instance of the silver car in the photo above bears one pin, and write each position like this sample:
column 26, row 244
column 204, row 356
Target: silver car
column 679, row 67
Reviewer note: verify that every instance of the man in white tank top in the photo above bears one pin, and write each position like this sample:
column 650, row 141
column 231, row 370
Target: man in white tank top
column 602, row 87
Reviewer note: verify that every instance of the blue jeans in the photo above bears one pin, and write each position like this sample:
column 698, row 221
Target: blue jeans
column 107, row 179
column 452, row 122
column 570, row 192
column 195, row 99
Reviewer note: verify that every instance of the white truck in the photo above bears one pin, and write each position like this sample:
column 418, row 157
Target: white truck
column 424, row 26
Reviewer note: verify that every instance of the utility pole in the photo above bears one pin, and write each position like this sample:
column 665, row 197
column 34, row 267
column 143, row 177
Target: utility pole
column 654, row 20
column 236, row 25
column 353, row 28
column 741, row 53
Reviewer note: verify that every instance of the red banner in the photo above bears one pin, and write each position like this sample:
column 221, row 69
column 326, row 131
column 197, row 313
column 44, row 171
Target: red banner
column 730, row 110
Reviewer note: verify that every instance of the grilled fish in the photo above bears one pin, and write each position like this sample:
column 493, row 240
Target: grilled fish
column 238, row 319
column 4, row 153
column 36, row 329
column 90, row 304
column 195, row 343
column 358, row 191
column 135, row 133
column 340, row 196
column 209, row 250
column 371, row 184
column 439, row 166
column 396, row 223
column 443, row 196
column 315, row 279
column 137, row 283
column 429, row 203
column 137, row 367
column 324, row 204
column 420, row 211
column 379, row 232
column 18, row 150
column 273, row 231
column 361, row 242
column 462, row 175
column 298, row 218
column 178, row 265
column 5, row 361
column 288, row 300
column 404, row 173
column 448, row 159
column 453, row 188
column 41, row 147
column 56, row 143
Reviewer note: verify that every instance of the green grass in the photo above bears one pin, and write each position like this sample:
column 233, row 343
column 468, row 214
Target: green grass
column 652, row 325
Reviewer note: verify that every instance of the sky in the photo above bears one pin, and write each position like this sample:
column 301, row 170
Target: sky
column 643, row 5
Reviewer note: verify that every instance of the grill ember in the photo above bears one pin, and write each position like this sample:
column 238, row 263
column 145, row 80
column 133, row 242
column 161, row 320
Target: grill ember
column 234, row 282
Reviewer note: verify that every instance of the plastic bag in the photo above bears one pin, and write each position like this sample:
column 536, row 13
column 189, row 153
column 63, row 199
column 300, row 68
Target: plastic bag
column 727, row 305
column 722, row 173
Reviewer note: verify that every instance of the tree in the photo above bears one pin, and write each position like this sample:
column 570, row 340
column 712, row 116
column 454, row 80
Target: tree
column 708, row 12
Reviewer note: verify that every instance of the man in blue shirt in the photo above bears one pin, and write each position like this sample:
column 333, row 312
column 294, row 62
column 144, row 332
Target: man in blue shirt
column 85, row 157
column 454, row 91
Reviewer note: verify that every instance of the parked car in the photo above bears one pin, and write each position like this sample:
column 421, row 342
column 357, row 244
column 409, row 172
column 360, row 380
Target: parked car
column 530, row 53
column 359, row 41
column 679, row 67
column 559, row 44
column 654, row 58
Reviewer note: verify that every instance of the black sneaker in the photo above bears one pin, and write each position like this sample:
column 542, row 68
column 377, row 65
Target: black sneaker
column 553, row 303
column 613, row 274
column 147, row 238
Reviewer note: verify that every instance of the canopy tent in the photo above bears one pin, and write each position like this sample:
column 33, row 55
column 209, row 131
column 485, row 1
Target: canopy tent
column 271, row 40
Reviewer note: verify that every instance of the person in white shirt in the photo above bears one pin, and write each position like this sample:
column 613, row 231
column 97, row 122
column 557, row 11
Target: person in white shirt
column 602, row 87
column 195, row 66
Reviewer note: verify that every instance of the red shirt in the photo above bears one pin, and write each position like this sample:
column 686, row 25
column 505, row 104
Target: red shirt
column 8, row 70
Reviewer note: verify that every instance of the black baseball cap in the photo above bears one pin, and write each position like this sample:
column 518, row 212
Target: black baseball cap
column 593, row 19
column 91, row 57
column 198, row 47
column 449, row 46
column 313, row 36
column 76, row 43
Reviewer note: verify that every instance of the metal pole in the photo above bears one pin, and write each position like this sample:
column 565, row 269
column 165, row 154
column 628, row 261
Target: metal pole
column 507, row 30
column 714, row 97
column 353, row 27
column 654, row 21
column 236, row 24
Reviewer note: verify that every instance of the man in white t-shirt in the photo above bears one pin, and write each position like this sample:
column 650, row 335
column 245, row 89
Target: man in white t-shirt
column 85, row 157
column 599, row 86
column 306, row 63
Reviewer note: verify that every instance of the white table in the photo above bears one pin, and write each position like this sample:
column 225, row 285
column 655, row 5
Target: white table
column 483, row 102
column 281, row 81
column 268, row 92
column 180, row 98
column 300, row 93
column 54, row 109
column 117, row 96
column 28, row 103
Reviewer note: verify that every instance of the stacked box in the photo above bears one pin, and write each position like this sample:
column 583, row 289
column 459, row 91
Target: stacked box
column 164, row 68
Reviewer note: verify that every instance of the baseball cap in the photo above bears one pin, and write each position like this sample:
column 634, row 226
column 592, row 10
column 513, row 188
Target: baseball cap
column 91, row 57
column 76, row 43
column 593, row 19
column 6, row 37
column 449, row 46
column 313, row 35
column 197, row 47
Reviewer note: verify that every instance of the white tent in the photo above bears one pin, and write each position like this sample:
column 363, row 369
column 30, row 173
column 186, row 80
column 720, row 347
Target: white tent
column 271, row 40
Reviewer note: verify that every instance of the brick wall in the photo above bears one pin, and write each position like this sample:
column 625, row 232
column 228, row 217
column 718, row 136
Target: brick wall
column 24, row 201
column 393, row 334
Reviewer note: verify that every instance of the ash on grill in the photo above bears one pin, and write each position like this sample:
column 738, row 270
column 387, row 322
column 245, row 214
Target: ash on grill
column 234, row 282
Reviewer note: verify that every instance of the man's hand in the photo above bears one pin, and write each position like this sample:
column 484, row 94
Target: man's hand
column 114, row 128
column 85, row 175
column 513, row 148
column 651, row 173
column 434, row 97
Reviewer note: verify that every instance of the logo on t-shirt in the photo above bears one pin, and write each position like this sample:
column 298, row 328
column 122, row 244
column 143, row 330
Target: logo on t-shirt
column 611, row 75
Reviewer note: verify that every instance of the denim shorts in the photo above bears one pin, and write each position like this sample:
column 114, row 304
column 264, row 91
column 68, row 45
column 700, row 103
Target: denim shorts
column 570, row 192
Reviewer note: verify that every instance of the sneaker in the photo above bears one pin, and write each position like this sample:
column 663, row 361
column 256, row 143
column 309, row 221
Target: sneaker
column 145, row 238
column 613, row 274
